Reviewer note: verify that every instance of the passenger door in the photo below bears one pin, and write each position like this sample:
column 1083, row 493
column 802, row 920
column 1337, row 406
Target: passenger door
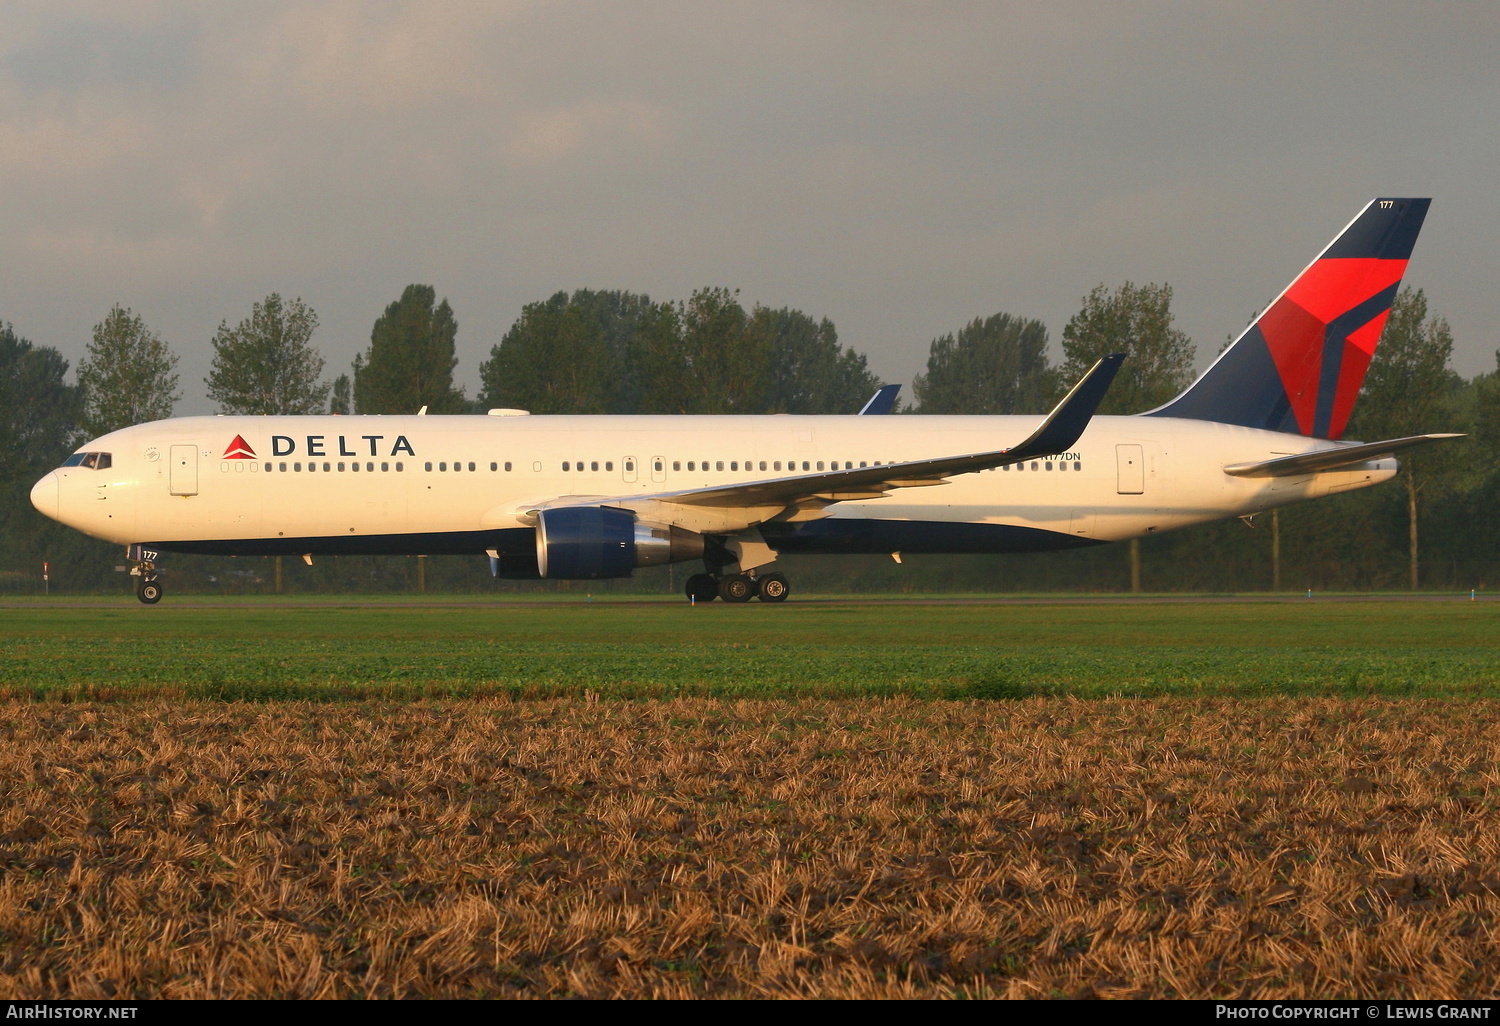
column 1131, row 461
column 183, row 473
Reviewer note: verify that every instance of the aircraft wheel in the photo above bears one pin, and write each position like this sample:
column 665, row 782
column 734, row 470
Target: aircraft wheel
column 736, row 588
column 702, row 588
column 773, row 588
column 149, row 592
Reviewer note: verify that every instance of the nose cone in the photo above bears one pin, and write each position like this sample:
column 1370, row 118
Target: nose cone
column 44, row 495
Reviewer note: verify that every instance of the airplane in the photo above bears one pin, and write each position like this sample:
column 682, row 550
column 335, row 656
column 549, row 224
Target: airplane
column 592, row 497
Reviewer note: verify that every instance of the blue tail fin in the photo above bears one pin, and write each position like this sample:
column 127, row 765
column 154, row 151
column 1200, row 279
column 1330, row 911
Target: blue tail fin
column 1298, row 368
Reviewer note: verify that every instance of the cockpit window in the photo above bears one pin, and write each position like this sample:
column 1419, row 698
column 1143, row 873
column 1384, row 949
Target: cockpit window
column 92, row 460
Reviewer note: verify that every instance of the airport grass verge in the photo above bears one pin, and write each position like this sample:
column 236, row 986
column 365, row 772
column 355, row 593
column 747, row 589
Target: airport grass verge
column 824, row 651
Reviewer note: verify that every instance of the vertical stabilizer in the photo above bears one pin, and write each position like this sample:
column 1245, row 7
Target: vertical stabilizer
column 1298, row 368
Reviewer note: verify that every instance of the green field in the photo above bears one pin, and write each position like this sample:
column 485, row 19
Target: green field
column 332, row 651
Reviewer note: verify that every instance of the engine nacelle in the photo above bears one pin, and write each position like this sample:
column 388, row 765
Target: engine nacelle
column 594, row 542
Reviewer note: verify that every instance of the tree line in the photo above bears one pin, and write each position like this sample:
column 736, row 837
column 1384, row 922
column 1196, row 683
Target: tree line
column 597, row 351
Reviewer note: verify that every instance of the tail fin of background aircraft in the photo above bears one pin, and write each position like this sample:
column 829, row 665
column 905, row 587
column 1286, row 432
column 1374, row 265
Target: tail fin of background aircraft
column 1299, row 366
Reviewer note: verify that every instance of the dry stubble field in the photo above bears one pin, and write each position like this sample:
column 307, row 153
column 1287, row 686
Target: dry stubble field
column 778, row 847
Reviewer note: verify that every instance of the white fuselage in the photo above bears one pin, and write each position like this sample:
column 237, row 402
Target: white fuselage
column 324, row 481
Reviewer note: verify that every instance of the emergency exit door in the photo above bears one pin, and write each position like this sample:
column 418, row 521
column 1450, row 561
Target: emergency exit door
column 184, row 470
column 1131, row 465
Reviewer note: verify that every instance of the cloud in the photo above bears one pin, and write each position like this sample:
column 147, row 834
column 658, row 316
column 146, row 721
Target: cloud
column 901, row 169
column 546, row 136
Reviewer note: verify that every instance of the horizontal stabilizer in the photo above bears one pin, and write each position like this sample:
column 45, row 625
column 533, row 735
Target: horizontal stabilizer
column 1331, row 459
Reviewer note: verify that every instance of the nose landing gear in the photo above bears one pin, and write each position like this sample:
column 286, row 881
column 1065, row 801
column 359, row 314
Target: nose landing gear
column 147, row 587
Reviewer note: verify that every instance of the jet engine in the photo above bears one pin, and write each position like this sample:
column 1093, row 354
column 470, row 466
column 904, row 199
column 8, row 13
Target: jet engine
column 592, row 542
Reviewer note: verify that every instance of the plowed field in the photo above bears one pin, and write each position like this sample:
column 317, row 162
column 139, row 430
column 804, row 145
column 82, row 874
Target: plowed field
column 777, row 847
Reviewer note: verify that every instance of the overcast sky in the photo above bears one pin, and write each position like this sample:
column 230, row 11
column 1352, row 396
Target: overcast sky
column 899, row 168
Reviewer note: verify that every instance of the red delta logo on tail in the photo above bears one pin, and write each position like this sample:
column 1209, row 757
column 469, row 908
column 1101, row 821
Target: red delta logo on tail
column 1308, row 331
column 1299, row 367
column 239, row 449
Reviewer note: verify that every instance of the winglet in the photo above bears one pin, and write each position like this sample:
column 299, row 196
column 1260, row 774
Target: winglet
column 1070, row 417
column 883, row 401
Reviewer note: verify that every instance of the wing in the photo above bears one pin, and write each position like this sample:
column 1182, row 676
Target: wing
column 1331, row 459
column 757, row 501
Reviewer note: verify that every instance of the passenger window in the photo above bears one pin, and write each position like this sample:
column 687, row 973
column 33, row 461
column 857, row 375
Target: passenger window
column 608, row 465
column 676, row 465
column 427, row 466
column 862, row 463
column 370, row 467
column 1078, row 466
column 443, row 466
column 656, row 466
column 341, row 468
column 734, row 465
column 385, row 467
column 354, row 467
column 268, row 468
column 325, row 468
column 690, row 464
column 1048, row 464
column 494, row 467
column 507, row 467
column 719, row 465
column 471, row 468
column 457, row 466
column 820, row 464
column 762, row 464
column 593, row 464
column 399, row 465
column 297, row 468
column 1033, row 466
column 776, row 465
column 282, row 467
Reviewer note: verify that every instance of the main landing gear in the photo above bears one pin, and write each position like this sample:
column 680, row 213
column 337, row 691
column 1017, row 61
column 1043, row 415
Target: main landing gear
column 737, row 587
column 147, row 587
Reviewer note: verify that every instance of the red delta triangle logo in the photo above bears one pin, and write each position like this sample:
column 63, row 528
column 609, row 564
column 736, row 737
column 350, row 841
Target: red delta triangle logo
column 239, row 449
